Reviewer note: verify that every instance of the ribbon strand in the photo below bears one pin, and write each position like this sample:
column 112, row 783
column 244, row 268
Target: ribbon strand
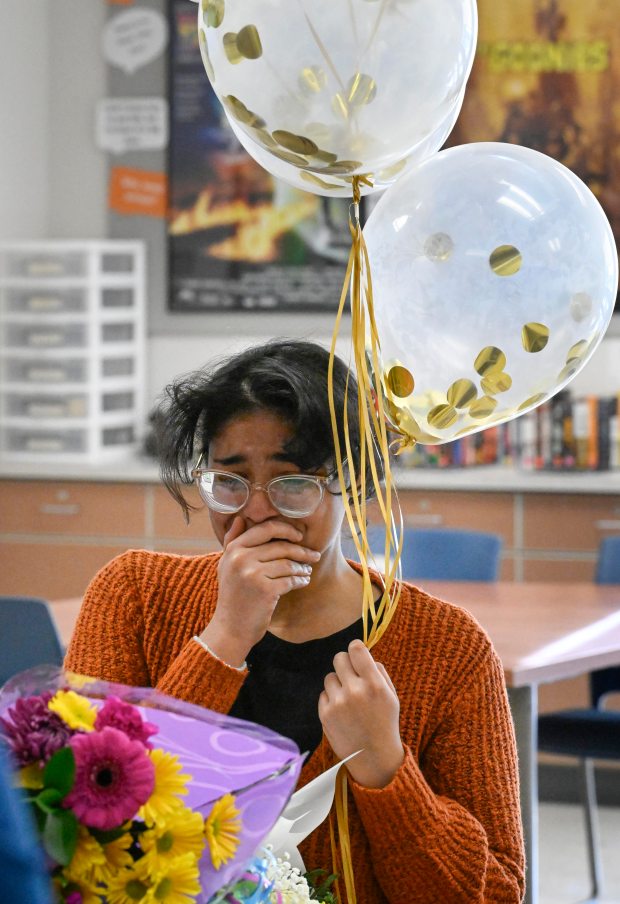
column 374, row 443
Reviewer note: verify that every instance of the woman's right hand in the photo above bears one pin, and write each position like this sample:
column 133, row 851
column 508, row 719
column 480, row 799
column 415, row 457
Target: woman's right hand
column 258, row 566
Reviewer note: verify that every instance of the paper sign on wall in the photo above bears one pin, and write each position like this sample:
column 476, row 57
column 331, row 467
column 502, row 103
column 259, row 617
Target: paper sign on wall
column 132, row 124
column 135, row 191
column 133, row 38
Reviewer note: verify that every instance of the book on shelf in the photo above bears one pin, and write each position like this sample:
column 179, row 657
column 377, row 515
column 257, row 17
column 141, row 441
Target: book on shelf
column 565, row 433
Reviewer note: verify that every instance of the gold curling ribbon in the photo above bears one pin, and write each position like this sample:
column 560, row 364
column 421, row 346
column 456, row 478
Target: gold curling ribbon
column 373, row 435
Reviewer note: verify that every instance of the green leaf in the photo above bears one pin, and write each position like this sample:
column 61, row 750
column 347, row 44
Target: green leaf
column 59, row 771
column 60, row 835
column 245, row 888
column 48, row 800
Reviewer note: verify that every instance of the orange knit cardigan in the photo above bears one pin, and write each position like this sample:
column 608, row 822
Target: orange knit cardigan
column 447, row 828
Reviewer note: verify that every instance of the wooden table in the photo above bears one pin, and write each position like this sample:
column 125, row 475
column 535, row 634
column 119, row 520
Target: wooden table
column 542, row 632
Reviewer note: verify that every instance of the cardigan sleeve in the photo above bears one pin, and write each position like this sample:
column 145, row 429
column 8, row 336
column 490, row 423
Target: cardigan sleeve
column 109, row 643
column 449, row 827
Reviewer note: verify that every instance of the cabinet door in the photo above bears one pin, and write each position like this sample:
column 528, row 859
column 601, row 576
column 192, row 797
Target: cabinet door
column 50, row 570
column 55, row 535
column 72, row 508
column 467, row 511
column 569, row 522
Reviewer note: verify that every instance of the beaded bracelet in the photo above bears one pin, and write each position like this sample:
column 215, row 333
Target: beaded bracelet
column 237, row 668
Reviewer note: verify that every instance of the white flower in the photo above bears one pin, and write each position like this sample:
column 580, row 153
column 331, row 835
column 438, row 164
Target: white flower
column 289, row 883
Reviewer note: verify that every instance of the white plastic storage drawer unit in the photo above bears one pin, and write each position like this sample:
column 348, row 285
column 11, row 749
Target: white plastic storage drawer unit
column 72, row 346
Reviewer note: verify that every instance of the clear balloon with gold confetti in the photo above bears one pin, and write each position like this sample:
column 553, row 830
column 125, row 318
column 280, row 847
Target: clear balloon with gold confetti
column 338, row 87
column 340, row 186
column 494, row 274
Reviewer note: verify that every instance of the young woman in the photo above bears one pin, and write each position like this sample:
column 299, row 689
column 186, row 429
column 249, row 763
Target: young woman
column 270, row 630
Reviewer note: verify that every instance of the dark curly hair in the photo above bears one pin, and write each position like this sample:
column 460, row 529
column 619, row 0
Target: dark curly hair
column 285, row 376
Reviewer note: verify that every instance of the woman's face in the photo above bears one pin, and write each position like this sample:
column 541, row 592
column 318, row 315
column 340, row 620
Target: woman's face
column 252, row 445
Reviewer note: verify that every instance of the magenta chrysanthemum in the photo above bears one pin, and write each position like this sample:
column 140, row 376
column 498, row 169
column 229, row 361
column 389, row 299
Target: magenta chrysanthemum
column 118, row 714
column 74, row 897
column 33, row 733
column 114, row 777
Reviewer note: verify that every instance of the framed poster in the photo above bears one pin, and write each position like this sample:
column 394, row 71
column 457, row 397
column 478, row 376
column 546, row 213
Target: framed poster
column 547, row 76
column 238, row 239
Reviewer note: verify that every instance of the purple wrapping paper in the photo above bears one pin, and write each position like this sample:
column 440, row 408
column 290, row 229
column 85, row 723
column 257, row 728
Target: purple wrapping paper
column 221, row 753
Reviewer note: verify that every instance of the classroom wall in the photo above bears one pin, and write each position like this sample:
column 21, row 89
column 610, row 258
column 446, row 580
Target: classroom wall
column 53, row 184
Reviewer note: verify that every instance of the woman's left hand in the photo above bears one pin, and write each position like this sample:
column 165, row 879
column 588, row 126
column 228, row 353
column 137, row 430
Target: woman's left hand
column 358, row 709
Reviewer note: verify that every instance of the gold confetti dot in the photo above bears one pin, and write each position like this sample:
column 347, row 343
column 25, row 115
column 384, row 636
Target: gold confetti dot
column 533, row 400
column 290, row 157
column 295, row 143
column 534, row 337
column 577, row 351
column 204, row 52
column 489, row 359
column 462, row 393
column 341, row 167
column 482, row 407
column 324, row 157
column 264, row 138
column 249, row 43
column 400, row 381
column 240, row 112
column 312, row 79
column 361, row 90
column 242, row 45
column 505, row 260
column 213, row 12
column 569, row 370
column 442, row 416
column 438, row 247
column 233, row 54
column 496, row 381
column 315, row 180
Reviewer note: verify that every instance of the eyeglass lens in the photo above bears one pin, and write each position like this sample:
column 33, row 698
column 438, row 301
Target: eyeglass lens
column 290, row 494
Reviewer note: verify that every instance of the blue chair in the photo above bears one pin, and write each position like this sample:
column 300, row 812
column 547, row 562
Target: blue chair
column 450, row 555
column 590, row 732
column 440, row 554
column 29, row 635
column 22, row 865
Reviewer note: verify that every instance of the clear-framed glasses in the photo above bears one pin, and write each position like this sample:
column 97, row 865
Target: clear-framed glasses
column 293, row 495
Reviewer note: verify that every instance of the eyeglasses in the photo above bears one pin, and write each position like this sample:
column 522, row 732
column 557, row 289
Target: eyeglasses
column 293, row 495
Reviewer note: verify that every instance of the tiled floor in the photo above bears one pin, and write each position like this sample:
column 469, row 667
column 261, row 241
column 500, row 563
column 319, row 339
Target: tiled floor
column 563, row 864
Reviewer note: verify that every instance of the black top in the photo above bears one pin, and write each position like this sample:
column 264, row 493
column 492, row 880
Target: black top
column 285, row 681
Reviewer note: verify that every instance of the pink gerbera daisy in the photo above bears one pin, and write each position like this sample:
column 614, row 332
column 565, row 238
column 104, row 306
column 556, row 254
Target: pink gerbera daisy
column 114, row 777
column 118, row 714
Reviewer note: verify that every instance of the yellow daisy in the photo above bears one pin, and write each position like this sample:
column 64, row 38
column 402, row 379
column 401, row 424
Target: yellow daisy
column 170, row 783
column 179, row 833
column 73, row 709
column 117, row 854
column 222, row 827
column 131, row 885
column 178, row 882
column 30, row 777
column 88, row 861
column 89, row 892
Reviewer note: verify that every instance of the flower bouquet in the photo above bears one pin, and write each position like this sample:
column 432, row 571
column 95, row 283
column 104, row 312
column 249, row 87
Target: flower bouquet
column 139, row 797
